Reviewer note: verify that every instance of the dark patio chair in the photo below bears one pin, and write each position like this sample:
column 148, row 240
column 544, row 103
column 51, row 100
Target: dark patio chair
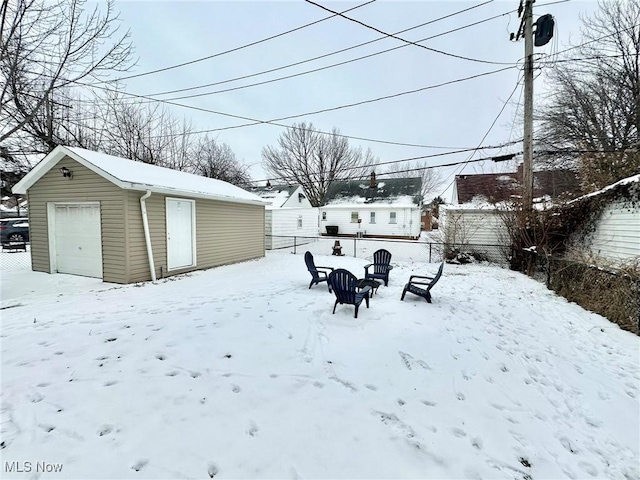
column 344, row 285
column 381, row 267
column 318, row 274
column 421, row 286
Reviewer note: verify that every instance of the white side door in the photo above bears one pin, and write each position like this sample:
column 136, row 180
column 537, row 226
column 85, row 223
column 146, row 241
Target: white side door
column 181, row 251
column 77, row 245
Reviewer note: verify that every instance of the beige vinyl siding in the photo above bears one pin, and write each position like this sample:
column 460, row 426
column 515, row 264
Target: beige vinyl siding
column 85, row 186
column 225, row 233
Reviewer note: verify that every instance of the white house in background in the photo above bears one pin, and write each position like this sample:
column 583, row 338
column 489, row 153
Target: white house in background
column 388, row 208
column 616, row 230
column 288, row 214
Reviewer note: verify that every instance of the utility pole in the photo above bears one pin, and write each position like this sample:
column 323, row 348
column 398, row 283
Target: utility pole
column 527, row 164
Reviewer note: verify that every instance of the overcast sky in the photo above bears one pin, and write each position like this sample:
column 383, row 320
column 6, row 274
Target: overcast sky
column 456, row 115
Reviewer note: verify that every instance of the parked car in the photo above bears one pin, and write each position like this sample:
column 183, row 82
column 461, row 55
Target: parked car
column 14, row 230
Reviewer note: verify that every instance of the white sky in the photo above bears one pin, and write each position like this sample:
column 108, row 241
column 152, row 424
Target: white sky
column 457, row 115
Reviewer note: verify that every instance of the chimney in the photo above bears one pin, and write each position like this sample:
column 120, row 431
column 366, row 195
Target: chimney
column 268, row 184
column 372, row 184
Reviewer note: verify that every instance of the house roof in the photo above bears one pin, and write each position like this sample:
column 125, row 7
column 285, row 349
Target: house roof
column 275, row 195
column 613, row 186
column 500, row 187
column 388, row 192
column 131, row 175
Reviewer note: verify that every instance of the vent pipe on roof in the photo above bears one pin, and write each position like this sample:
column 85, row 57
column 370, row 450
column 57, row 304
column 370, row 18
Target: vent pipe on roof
column 147, row 237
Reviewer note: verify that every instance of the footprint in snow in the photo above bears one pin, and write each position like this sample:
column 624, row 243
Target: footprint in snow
column 36, row 397
column 139, row 465
column 47, row 428
column 161, row 357
column 235, row 388
column 110, row 383
column 194, row 374
column 172, row 373
column 105, row 430
column 428, row 403
column 371, row 387
column 458, row 432
column 212, row 470
column 318, row 384
column 253, row 429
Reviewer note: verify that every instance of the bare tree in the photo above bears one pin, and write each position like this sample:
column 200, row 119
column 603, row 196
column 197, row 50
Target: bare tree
column 45, row 47
column 314, row 160
column 596, row 101
column 217, row 160
column 431, row 179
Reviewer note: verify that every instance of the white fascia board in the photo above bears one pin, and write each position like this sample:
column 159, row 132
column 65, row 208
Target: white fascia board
column 52, row 159
column 183, row 193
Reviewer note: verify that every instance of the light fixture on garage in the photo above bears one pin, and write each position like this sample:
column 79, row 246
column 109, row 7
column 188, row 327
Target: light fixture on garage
column 66, row 172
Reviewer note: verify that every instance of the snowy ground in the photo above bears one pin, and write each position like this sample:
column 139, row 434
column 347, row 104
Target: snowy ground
column 243, row 372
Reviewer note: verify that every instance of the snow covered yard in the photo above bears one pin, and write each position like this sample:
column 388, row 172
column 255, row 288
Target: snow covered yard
column 243, row 372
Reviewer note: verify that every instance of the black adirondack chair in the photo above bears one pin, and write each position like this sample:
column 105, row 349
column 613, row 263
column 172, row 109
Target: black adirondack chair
column 343, row 283
column 318, row 274
column 421, row 286
column 381, row 267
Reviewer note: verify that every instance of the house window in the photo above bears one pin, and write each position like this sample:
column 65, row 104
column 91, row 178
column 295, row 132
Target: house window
column 300, row 221
column 354, row 217
column 372, row 218
column 392, row 217
column 324, row 215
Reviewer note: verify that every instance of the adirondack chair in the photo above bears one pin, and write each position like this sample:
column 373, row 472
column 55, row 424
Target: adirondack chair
column 421, row 286
column 344, row 285
column 318, row 274
column 381, row 267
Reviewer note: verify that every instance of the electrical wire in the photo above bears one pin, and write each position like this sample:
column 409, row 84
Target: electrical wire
column 244, row 77
column 235, row 49
column 495, row 120
column 407, row 41
column 306, row 72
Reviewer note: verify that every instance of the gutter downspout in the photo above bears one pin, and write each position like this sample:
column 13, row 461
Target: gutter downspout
column 147, row 237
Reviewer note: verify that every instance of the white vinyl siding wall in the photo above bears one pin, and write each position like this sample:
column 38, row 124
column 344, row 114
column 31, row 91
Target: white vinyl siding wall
column 283, row 222
column 407, row 221
column 617, row 234
column 477, row 227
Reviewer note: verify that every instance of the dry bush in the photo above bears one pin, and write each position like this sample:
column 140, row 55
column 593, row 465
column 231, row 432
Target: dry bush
column 614, row 294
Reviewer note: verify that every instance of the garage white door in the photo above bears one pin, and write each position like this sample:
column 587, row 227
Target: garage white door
column 180, row 233
column 78, row 245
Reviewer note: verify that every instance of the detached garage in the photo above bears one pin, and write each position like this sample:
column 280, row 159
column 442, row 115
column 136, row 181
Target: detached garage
column 102, row 216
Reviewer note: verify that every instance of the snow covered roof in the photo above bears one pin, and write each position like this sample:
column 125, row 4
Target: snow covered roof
column 390, row 192
column 497, row 187
column 275, row 195
column 131, row 175
column 624, row 181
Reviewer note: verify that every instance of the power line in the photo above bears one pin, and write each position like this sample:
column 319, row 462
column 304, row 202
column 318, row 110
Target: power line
column 219, row 54
column 244, row 77
column 326, row 67
column 487, row 132
column 426, row 167
column 274, row 122
column 495, row 158
column 407, row 41
column 289, row 117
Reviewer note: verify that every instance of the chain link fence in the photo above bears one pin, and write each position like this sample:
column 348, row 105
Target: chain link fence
column 401, row 250
column 15, row 257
